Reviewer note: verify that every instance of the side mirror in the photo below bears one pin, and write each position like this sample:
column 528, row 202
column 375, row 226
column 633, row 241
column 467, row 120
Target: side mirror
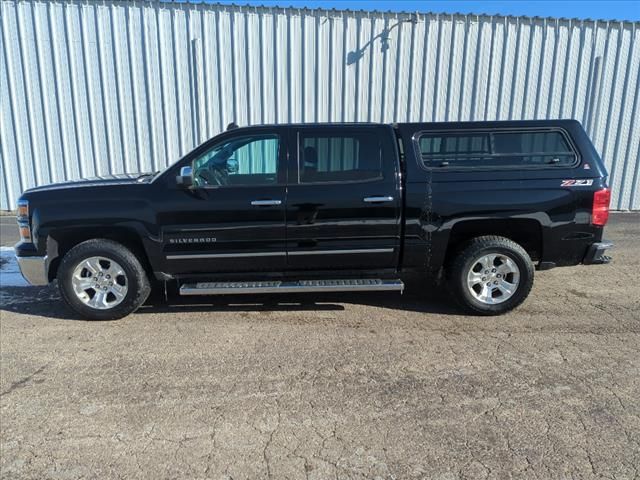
column 185, row 179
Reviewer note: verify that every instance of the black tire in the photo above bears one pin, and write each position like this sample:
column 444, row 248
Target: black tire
column 465, row 259
column 138, row 286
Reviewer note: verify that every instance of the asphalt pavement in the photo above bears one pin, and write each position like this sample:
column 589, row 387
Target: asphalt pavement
column 8, row 231
column 339, row 386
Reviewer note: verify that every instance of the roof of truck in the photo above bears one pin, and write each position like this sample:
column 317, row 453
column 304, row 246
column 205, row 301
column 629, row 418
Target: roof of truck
column 466, row 124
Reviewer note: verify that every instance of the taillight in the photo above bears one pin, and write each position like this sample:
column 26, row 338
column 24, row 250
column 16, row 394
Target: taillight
column 600, row 211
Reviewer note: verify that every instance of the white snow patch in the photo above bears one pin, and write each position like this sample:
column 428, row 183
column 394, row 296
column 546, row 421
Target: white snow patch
column 10, row 275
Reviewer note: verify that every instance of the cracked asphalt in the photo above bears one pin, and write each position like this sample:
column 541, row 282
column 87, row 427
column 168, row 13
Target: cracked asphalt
column 334, row 386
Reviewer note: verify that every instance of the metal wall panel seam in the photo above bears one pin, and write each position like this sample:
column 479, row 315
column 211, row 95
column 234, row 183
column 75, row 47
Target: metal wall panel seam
column 595, row 135
column 579, row 69
column 8, row 132
column 87, row 92
column 9, row 72
column 135, row 100
column 613, row 178
column 611, row 104
column 15, row 81
column 26, row 87
column 634, row 197
column 41, row 152
column 594, row 82
column 495, row 114
column 632, row 120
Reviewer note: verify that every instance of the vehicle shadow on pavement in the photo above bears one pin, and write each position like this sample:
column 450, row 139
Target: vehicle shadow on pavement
column 46, row 302
column 41, row 301
column 434, row 300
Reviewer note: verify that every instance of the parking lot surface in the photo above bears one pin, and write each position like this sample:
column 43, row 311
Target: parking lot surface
column 8, row 230
column 333, row 386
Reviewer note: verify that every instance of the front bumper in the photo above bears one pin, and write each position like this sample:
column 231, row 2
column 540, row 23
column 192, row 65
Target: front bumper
column 595, row 255
column 35, row 270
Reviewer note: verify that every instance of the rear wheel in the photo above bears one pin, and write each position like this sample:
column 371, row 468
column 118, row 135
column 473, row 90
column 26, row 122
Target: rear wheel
column 102, row 280
column 491, row 275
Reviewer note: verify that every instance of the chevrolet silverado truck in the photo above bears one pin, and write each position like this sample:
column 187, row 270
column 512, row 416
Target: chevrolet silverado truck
column 328, row 207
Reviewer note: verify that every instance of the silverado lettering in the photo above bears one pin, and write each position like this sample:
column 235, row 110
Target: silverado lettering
column 192, row 240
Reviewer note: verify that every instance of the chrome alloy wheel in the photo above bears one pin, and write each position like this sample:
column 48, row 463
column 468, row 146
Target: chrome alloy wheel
column 493, row 278
column 99, row 282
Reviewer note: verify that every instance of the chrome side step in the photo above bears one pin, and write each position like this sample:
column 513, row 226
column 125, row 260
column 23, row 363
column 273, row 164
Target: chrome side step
column 300, row 286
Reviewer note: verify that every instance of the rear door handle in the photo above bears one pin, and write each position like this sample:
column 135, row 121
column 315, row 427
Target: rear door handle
column 378, row 199
column 265, row 203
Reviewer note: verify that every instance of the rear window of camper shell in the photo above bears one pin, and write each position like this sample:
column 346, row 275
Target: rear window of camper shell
column 495, row 148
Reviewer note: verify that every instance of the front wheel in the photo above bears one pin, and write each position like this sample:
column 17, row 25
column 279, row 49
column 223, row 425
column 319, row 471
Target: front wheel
column 491, row 275
column 102, row 280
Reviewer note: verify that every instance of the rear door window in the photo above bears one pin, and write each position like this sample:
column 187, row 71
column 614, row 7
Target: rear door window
column 332, row 156
column 496, row 149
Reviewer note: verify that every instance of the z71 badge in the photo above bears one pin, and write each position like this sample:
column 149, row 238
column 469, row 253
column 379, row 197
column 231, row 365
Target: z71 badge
column 577, row 183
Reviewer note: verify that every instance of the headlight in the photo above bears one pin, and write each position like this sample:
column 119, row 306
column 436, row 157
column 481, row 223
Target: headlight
column 23, row 210
column 25, row 232
column 23, row 221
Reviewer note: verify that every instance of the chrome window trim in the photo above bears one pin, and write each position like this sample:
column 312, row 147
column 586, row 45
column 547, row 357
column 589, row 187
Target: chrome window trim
column 341, row 252
column 189, row 256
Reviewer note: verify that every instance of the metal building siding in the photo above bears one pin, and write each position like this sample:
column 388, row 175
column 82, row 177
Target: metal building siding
column 89, row 88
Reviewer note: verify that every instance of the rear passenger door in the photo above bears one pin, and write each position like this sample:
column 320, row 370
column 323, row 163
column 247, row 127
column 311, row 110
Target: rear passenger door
column 343, row 204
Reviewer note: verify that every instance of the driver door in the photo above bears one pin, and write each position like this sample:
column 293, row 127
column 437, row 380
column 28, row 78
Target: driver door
column 232, row 220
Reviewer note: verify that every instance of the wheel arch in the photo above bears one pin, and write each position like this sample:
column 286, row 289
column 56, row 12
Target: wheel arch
column 60, row 241
column 526, row 232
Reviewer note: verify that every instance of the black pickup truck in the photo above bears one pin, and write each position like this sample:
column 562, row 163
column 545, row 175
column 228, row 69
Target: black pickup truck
column 328, row 207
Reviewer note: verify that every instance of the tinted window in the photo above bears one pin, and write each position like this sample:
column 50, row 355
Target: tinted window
column 496, row 149
column 454, row 144
column 532, row 142
column 328, row 157
column 250, row 160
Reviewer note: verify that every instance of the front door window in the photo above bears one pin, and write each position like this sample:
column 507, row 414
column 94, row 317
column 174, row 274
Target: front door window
column 247, row 160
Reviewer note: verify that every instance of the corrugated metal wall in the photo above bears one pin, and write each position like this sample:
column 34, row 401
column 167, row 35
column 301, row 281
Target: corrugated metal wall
column 96, row 87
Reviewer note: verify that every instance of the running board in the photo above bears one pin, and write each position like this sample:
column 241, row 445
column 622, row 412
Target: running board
column 300, row 286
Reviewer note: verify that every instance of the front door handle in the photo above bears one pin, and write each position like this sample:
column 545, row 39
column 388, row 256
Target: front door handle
column 265, row 203
column 378, row 199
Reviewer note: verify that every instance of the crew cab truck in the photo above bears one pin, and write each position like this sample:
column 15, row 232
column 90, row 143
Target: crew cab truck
column 328, row 207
